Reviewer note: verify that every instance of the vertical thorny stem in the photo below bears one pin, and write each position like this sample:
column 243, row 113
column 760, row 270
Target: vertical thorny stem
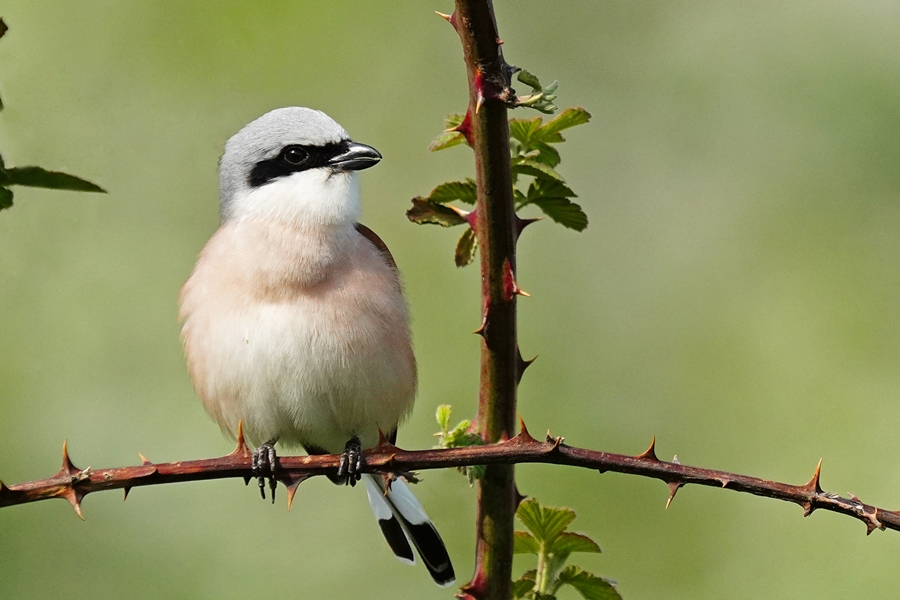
column 488, row 76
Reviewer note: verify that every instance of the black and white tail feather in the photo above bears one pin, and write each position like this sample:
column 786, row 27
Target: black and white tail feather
column 403, row 520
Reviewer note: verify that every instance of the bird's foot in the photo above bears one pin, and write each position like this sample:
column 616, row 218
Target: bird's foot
column 263, row 467
column 349, row 469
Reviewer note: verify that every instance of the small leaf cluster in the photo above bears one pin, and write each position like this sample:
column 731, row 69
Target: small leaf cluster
column 533, row 156
column 460, row 436
column 548, row 539
column 36, row 176
column 541, row 98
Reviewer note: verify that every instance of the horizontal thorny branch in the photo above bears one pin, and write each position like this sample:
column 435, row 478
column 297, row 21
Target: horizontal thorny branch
column 73, row 483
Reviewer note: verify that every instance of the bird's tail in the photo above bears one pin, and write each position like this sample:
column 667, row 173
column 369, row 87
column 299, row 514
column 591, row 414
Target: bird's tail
column 403, row 520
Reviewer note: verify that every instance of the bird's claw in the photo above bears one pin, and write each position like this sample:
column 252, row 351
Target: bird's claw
column 263, row 467
column 350, row 467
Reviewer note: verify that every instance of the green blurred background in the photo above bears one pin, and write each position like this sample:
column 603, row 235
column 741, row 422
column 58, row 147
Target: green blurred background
column 736, row 293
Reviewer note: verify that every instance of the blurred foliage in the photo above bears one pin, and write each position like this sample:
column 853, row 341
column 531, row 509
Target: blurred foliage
column 36, row 176
column 460, row 436
column 548, row 540
column 532, row 155
column 735, row 294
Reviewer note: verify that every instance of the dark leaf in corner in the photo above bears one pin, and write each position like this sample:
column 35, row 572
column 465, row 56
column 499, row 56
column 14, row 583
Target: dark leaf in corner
column 54, row 180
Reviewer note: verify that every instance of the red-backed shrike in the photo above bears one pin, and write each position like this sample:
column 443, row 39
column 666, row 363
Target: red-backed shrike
column 294, row 319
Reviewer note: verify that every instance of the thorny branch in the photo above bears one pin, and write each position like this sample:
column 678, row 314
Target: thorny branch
column 74, row 484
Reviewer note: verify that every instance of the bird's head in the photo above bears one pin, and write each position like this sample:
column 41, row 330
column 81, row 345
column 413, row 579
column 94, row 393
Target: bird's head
column 293, row 164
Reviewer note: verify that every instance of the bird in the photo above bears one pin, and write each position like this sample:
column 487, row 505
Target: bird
column 295, row 326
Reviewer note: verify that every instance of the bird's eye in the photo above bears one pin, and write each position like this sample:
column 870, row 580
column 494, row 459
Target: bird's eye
column 294, row 155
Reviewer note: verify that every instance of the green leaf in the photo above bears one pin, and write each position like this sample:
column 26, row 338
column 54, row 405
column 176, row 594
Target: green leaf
column 448, row 139
column 6, row 198
column 528, row 166
column 566, row 119
column 541, row 98
column 529, row 79
column 524, row 585
column 545, row 187
column 465, row 248
column 523, row 129
column 465, row 191
column 563, row 211
column 524, row 543
column 544, row 522
column 546, row 154
column 425, row 211
column 443, row 417
column 588, row 585
column 38, row 177
column 569, row 542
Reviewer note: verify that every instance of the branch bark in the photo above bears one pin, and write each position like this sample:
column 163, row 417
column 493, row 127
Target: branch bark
column 495, row 229
column 73, row 484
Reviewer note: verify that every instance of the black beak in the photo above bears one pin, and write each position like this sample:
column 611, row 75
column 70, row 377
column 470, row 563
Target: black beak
column 355, row 157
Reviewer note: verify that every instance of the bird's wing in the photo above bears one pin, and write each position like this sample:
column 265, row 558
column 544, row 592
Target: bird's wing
column 377, row 242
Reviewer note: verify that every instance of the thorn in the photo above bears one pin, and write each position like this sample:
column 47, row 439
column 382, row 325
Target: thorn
column 471, row 219
column 522, row 365
column 68, row 468
column 520, row 224
column 724, row 481
column 523, row 431
column 510, row 287
column 808, row 508
column 463, row 213
column 518, row 497
column 291, row 483
column 246, row 480
column 649, row 453
column 479, row 100
column 465, row 127
column 673, row 489
column 872, row 522
column 556, row 441
column 813, row 484
column 483, row 328
column 74, row 499
column 126, row 490
column 383, row 445
column 144, row 460
column 675, row 460
column 451, row 18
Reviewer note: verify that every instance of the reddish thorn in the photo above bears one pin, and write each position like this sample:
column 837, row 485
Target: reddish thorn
column 482, row 330
column 144, row 460
column 808, row 508
column 724, row 481
column 649, row 453
column 499, row 42
column 451, row 18
column 74, row 499
column 68, row 468
column 465, row 127
column 463, row 213
column 813, row 484
column 291, row 483
column 126, row 490
column 673, row 489
column 523, row 431
column 510, row 287
column 472, row 219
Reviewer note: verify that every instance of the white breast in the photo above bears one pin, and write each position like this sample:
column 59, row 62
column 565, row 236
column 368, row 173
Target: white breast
column 303, row 360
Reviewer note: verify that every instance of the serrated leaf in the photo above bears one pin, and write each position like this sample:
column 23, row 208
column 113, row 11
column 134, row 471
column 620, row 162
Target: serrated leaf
column 528, row 166
column 563, row 211
column 524, row 543
column 546, row 154
column 529, row 79
column 443, row 417
column 465, row 248
column 568, row 542
column 464, row 191
column 6, row 198
column 42, row 178
column 521, row 589
column 446, row 139
column 588, row 585
column 523, row 129
column 566, row 119
column 545, row 187
column 544, row 522
column 453, row 120
column 427, row 212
